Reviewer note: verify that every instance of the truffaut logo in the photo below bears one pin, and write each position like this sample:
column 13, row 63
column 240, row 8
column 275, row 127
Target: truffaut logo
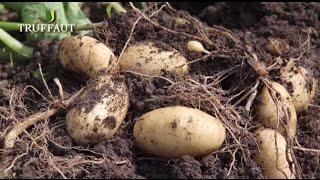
column 52, row 16
column 47, row 27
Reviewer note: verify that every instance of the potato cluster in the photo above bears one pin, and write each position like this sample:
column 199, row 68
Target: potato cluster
column 175, row 131
column 100, row 109
column 104, row 103
column 278, row 114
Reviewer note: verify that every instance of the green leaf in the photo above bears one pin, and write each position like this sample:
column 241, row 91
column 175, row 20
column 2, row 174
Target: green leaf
column 75, row 15
column 36, row 13
column 109, row 11
column 7, row 55
column 15, row 45
column 114, row 6
column 55, row 13
column 1, row 7
column 141, row 5
column 14, row 5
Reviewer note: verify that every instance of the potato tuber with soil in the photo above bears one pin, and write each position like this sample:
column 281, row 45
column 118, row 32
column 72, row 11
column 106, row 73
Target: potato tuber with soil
column 196, row 46
column 99, row 110
column 303, row 87
column 177, row 130
column 147, row 58
column 272, row 154
column 268, row 112
column 86, row 55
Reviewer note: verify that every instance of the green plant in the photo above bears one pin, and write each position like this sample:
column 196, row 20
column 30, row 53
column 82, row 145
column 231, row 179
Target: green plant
column 38, row 13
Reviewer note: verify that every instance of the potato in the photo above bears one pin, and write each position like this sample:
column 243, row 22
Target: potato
column 99, row 110
column 267, row 110
column 271, row 154
column 86, row 55
column 148, row 59
column 176, row 131
column 196, row 46
column 301, row 85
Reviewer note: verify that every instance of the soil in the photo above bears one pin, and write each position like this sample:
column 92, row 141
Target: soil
column 47, row 151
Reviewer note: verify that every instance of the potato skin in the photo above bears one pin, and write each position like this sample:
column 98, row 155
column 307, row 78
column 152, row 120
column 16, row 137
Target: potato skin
column 99, row 110
column 304, row 86
column 271, row 154
column 86, row 55
column 177, row 130
column 267, row 110
column 148, row 59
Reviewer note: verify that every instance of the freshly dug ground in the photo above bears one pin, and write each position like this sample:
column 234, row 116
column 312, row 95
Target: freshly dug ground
column 46, row 151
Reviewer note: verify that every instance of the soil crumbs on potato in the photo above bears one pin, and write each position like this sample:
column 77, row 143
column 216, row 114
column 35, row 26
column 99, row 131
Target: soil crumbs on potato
column 47, row 151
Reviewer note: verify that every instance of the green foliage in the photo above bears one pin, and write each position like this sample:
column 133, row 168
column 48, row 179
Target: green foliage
column 38, row 13
column 114, row 6
column 54, row 12
column 75, row 15
column 15, row 45
column 141, row 5
column 1, row 7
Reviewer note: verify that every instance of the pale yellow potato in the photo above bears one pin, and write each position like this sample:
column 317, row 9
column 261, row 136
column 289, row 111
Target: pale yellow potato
column 196, row 46
column 303, row 87
column 86, row 55
column 99, row 110
column 147, row 58
column 268, row 113
column 177, row 130
column 271, row 155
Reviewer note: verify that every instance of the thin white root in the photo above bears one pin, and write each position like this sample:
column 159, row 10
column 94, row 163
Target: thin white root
column 307, row 149
column 57, row 81
column 45, row 82
column 19, row 128
column 250, row 100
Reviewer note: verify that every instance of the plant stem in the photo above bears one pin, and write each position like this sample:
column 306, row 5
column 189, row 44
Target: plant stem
column 89, row 26
column 117, row 6
column 15, row 45
column 10, row 26
column 9, row 56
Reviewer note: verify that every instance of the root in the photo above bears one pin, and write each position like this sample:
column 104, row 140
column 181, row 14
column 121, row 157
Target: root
column 162, row 27
column 29, row 121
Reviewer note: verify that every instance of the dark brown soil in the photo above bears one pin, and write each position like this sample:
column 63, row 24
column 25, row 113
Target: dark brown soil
column 252, row 23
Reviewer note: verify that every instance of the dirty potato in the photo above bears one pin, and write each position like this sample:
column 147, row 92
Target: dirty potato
column 147, row 58
column 86, row 55
column 272, row 154
column 268, row 114
column 301, row 85
column 99, row 110
column 176, row 131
